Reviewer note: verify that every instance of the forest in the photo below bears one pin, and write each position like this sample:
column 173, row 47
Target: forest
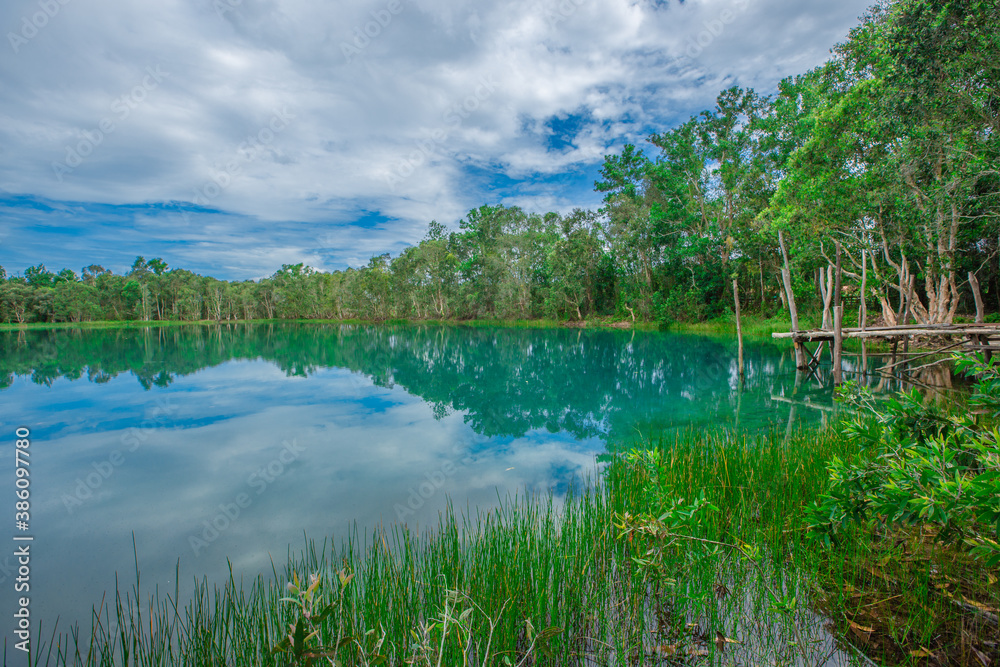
column 886, row 156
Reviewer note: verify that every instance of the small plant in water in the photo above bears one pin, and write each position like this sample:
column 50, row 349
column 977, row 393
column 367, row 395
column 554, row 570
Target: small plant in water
column 301, row 641
column 457, row 619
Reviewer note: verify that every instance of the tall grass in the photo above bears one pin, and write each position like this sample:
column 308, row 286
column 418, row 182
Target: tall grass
column 535, row 580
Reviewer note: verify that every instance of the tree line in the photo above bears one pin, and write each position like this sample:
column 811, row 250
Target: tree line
column 884, row 157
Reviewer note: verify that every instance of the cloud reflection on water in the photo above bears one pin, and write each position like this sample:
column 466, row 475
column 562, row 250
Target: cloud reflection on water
column 375, row 418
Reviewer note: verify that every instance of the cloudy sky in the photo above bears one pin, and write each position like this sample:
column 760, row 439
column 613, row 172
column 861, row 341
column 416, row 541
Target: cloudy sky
column 232, row 136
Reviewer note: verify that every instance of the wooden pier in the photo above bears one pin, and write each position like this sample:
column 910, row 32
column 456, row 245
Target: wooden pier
column 973, row 337
column 979, row 336
column 983, row 338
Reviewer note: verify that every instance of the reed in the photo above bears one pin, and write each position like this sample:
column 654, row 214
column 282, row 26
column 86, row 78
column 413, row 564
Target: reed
column 539, row 580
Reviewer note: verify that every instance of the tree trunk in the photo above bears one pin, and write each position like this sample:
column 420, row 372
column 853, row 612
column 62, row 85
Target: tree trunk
column 863, row 305
column 760, row 264
column 826, row 291
column 838, row 344
column 838, row 299
column 977, row 295
column 786, row 274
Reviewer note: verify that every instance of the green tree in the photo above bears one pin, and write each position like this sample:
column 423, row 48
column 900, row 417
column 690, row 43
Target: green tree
column 909, row 150
column 39, row 276
column 631, row 231
column 481, row 253
column 76, row 301
column 15, row 295
column 374, row 284
column 292, row 294
column 574, row 263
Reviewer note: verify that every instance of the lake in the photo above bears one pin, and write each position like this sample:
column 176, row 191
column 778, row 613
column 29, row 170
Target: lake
column 204, row 445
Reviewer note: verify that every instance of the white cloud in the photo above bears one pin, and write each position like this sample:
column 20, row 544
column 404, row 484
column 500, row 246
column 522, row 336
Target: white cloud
column 624, row 67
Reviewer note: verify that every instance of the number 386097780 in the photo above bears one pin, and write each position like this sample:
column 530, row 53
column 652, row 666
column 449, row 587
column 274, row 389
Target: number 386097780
column 22, row 476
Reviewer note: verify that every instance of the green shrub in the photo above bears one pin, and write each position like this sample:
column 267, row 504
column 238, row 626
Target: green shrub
column 920, row 466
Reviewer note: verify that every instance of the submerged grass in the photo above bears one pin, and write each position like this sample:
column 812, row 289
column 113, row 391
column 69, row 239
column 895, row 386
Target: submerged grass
column 906, row 599
column 535, row 580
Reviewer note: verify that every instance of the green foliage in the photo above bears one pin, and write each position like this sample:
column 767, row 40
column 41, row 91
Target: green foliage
column 38, row 276
column 679, row 305
column 312, row 609
column 920, row 466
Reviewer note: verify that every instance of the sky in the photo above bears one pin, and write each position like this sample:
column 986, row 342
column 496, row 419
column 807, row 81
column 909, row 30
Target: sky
column 230, row 137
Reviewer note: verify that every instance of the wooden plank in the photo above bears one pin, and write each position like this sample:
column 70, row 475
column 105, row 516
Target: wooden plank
column 909, row 328
column 899, row 332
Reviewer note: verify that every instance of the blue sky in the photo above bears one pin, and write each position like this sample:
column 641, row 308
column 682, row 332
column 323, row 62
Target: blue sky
column 230, row 137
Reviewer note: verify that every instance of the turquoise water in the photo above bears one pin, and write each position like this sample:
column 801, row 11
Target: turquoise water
column 208, row 444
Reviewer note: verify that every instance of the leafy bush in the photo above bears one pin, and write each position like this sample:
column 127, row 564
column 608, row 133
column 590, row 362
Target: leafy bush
column 920, row 465
column 679, row 305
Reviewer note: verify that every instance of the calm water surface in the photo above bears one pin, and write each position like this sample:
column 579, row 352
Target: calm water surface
column 211, row 443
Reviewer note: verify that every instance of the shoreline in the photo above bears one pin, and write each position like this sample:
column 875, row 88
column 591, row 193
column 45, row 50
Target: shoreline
column 752, row 326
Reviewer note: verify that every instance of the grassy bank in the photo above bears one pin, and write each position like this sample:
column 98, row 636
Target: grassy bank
column 692, row 551
column 114, row 324
column 525, row 324
column 753, row 325
column 534, row 581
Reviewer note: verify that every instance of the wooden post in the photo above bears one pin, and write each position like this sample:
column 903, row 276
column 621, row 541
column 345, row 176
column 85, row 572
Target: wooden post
column 838, row 302
column 863, row 310
column 838, row 344
column 739, row 325
column 793, row 313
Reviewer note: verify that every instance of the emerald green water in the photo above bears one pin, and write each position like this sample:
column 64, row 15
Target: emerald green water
column 229, row 442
